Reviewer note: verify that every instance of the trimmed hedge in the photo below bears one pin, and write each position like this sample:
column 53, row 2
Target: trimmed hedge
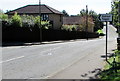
column 30, row 34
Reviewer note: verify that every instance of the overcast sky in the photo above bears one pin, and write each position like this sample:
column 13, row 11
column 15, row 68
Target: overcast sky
column 72, row 7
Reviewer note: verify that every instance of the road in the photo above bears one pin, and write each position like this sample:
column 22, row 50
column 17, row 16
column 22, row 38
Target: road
column 52, row 60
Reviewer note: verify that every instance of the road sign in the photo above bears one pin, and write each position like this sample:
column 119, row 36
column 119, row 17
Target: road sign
column 105, row 17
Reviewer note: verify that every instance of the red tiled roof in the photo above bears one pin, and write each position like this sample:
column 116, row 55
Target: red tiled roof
column 34, row 9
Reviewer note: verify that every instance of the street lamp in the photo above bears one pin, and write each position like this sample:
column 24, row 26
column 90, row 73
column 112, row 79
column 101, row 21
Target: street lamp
column 40, row 21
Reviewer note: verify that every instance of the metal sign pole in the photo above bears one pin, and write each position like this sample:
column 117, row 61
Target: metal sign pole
column 106, row 38
column 106, row 18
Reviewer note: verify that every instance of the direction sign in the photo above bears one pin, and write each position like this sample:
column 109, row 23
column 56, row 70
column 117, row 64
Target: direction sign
column 105, row 17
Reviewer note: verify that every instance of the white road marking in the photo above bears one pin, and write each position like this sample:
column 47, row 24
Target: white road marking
column 12, row 59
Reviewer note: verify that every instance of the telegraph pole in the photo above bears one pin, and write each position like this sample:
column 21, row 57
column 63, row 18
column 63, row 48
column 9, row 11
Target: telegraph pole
column 86, row 22
column 40, row 21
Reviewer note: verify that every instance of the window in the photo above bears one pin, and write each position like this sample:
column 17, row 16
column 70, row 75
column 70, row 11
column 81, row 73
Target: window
column 44, row 17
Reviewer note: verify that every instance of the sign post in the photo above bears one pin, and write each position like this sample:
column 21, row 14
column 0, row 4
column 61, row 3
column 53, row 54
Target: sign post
column 106, row 18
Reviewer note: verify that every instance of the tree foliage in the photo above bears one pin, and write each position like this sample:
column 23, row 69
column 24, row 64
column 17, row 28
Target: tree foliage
column 97, row 24
column 82, row 12
column 115, row 13
column 65, row 13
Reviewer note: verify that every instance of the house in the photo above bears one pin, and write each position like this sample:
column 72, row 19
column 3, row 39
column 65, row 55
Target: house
column 47, row 13
column 80, row 21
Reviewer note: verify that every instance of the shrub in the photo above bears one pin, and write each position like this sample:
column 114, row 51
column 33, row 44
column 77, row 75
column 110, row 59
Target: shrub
column 16, row 20
column 69, row 27
column 37, row 21
column 27, row 21
column 46, row 24
column 3, row 17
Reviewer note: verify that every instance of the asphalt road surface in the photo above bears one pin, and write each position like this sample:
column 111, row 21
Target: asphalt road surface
column 55, row 60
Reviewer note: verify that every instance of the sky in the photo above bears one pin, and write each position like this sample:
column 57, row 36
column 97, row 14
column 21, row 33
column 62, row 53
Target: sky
column 72, row 7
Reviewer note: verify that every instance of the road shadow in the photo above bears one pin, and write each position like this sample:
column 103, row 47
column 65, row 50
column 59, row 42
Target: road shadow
column 108, row 55
column 7, row 44
column 96, row 73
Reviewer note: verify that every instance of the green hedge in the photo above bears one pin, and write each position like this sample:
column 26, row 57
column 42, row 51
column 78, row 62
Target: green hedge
column 24, row 21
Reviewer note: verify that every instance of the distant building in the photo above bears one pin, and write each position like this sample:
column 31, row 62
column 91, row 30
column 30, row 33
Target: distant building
column 78, row 20
column 72, row 20
column 47, row 13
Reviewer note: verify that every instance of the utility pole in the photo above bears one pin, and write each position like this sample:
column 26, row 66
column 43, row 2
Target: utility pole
column 86, row 22
column 40, row 21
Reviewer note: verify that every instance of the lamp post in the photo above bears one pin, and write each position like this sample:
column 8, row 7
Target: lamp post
column 40, row 21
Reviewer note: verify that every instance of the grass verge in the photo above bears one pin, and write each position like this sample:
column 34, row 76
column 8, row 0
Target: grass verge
column 112, row 69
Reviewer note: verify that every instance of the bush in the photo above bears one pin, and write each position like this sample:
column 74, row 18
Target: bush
column 69, row 27
column 16, row 21
column 28, row 21
column 46, row 25
column 37, row 21
column 3, row 17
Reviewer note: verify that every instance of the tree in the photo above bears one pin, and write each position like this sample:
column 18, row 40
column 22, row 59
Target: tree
column 83, row 12
column 115, row 13
column 92, row 13
column 97, row 24
column 65, row 13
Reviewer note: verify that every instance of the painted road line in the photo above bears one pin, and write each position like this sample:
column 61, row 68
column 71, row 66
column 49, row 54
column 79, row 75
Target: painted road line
column 12, row 59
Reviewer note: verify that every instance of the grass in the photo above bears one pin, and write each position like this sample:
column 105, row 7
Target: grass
column 112, row 71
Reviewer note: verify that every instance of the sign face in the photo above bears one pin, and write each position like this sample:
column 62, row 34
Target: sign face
column 105, row 17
